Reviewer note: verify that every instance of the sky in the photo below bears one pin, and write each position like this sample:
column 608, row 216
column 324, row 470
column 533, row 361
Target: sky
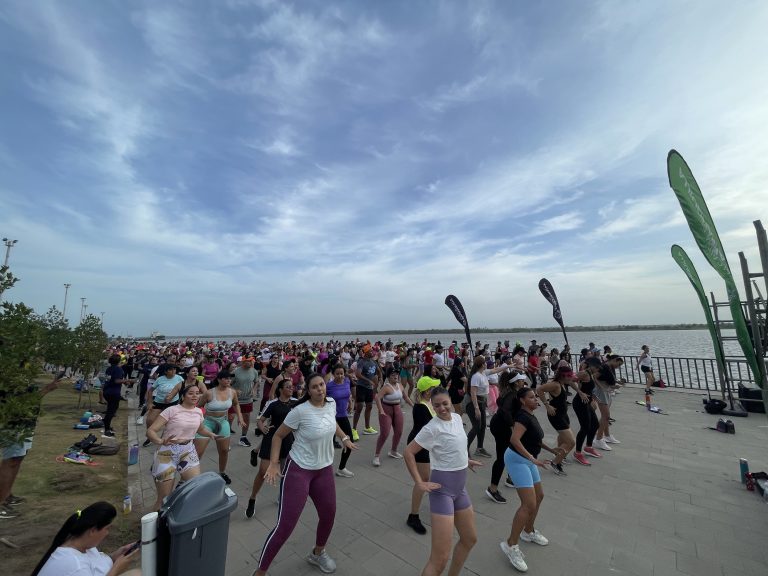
column 236, row 167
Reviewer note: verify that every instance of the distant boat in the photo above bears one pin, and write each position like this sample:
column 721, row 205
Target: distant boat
column 157, row 336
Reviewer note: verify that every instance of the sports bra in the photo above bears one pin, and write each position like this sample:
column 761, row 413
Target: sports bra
column 216, row 405
column 393, row 398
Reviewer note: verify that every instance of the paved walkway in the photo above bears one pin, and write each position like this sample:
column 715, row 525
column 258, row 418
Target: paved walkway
column 666, row 502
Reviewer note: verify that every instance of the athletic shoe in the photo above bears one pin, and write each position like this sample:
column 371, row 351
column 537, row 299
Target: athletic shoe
column 589, row 451
column 495, row 496
column 345, row 473
column 6, row 512
column 251, row 508
column 376, row 461
column 611, row 440
column 415, row 522
column 108, row 433
column 515, row 556
column 602, row 444
column 140, row 420
column 482, row 452
column 581, row 459
column 355, row 436
column 370, row 431
column 395, row 455
column 14, row 500
column 557, row 469
column 536, row 537
column 254, row 458
column 322, row 561
column 508, row 482
column 146, row 443
column 244, row 442
column 226, row 478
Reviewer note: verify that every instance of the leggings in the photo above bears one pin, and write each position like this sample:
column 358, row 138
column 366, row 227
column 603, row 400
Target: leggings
column 390, row 418
column 478, row 426
column 346, row 427
column 113, row 402
column 587, row 421
column 501, row 437
column 296, row 485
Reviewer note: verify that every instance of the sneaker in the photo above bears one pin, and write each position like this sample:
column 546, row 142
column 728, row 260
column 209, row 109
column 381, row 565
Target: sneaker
column 345, row 473
column 611, row 440
column 482, row 452
column 355, row 436
column 536, row 537
column 6, row 512
column 370, row 431
column 254, row 458
column 244, row 442
column 495, row 496
column 322, row 561
column 226, row 478
column 589, row 451
column 395, row 455
column 146, row 443
column 376, row 461
column 508, row 482
column 140, row 420
column 581, row 459
column 558, row 469
column 602, row 444
column 14, row 500
column 515, row 556
column 108, row 433
column 251, row 508
column 415, row 522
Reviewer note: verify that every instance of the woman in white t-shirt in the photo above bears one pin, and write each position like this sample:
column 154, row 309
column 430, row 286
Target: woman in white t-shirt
column 308, row 471
column 477, row 401
column 74, row 550
column 449, row 503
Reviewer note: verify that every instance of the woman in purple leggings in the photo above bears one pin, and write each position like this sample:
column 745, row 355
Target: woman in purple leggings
column 449, row 503
column 308, row 471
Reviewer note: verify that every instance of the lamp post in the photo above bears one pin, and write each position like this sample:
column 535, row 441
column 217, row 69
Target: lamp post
column 8, row 245
column 82, row 308
column 66, row 291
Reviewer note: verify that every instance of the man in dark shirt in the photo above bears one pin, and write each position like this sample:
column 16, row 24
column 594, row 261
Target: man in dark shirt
column 368, row 377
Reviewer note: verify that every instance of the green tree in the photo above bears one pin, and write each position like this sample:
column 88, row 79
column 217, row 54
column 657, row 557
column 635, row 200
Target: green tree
column 57, row 341
column 88, row 344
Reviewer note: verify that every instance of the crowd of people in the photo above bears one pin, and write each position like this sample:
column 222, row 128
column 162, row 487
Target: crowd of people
column 308, row 398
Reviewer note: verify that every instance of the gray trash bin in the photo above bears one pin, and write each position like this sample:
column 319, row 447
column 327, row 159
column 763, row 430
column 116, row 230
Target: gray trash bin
column 194, row 528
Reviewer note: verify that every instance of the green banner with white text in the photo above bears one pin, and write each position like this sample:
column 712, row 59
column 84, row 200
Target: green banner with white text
column 705, row 233
column 687, row 266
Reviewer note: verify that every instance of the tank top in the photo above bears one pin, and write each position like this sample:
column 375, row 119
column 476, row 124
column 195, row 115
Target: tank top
column 560, row 402
column 588, row 387
column 393, row 398
column 216, row 405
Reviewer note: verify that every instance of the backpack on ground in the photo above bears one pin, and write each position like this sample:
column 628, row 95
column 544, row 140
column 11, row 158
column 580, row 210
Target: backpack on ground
column 103, row 449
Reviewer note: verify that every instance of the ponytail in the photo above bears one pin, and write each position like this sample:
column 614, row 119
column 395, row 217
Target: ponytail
column 96, row 515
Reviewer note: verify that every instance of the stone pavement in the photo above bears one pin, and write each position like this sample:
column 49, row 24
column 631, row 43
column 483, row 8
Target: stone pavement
column 666, row 502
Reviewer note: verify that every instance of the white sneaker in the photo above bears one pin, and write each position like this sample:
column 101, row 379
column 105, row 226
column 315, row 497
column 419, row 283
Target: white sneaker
column 611, row 440
column 394, row 454
column 345, row 473
column 140, row 420
column 376, row 461
column 536, row 537
column 602, row 444
column 515, row 556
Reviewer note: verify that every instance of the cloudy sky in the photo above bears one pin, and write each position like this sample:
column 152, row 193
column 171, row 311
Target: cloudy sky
column 251, row 166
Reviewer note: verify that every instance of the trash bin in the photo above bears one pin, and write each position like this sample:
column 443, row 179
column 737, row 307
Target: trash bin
column 194, row 527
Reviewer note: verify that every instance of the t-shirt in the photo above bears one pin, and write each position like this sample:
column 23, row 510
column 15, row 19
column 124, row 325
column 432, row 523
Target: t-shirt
column 531, row 439
column 367, row 368
column 275, row 412
column 480, row 381
column 65, row 561
column 446, row 441
column 181, row 422
column 111, row 387
column 243, row 382
column 340, row 394
column 438, row 359
column 313, row 434
column 163, row 387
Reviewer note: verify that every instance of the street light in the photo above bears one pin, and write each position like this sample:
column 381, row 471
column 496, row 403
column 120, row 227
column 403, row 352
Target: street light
column 8, row 245
column 82, row 308
column 66, row 291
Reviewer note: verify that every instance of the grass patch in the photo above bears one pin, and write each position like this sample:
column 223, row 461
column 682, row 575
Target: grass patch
column 54, row 490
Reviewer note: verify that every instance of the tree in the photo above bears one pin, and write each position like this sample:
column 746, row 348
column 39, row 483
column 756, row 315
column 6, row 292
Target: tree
column 57, row 342
column 88, row 344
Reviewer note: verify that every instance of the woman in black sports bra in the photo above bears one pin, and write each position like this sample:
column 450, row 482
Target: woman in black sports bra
column 554, row 396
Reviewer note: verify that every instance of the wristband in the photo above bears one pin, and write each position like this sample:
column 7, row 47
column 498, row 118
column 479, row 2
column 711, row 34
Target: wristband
column 344, row 439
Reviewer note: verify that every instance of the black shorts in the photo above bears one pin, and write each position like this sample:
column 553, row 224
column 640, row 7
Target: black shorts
column 456, row 395
column 422, row 456
column 363, row 395
column 559, row 423
column 646, row 369
column 265, row 451
column 162, row 406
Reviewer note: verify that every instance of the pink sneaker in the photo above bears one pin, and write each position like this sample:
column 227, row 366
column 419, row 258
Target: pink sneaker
column 581, row 459
column 592, row 452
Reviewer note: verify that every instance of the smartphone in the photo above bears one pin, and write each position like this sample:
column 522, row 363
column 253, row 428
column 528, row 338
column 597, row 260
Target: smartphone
column 133, row 547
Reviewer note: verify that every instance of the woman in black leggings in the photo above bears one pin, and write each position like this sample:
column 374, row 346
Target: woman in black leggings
column 584, row 405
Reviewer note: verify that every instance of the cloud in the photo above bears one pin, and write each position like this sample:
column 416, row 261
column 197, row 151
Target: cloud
column 560, row 223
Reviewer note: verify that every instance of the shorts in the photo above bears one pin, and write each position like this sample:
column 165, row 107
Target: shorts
column 246, row 407
column 559, row 423
column 363, row 395
column 173, row 458
column 523, row 472
column 646, row 369
column 18, row 449
column 456, row 395
column 219, row 425
column 602, row 396
column 162, row 405
column 404, row 374
column 265, row 450
column 452, row 495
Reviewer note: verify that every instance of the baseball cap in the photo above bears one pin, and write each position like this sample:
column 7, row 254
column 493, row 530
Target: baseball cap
column 518, row 377
column 425, row 383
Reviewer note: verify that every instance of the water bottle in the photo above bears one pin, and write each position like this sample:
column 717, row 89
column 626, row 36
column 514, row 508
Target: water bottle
column 127, row 504
column 743, row 469
column 133, row 455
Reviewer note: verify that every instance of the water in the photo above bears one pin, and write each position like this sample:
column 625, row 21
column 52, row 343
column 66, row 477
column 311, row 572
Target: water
column 680, row 343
